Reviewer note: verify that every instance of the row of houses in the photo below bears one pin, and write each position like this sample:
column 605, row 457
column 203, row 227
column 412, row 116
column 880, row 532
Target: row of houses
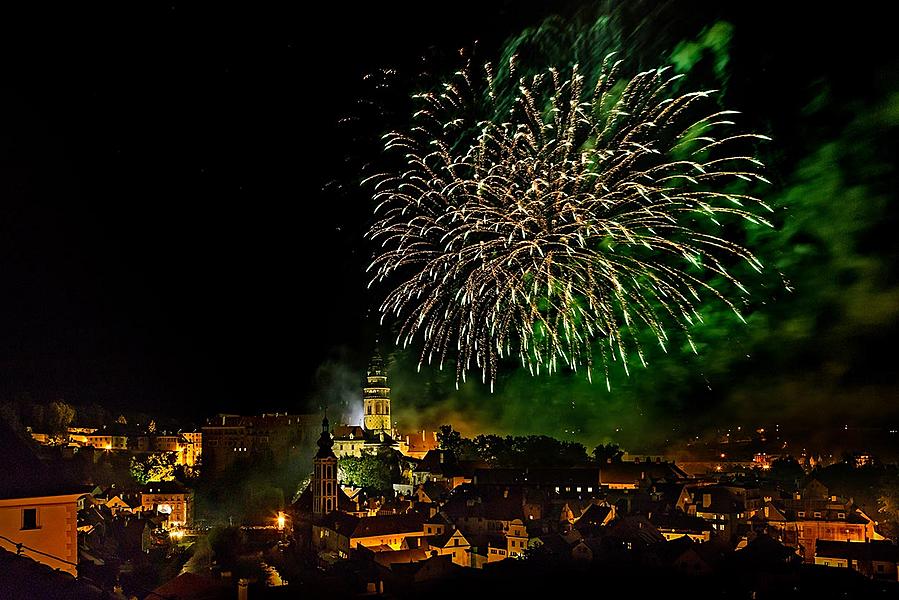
column 187, row 446
column 472, row 516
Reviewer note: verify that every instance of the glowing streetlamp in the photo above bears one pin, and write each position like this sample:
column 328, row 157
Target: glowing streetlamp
column 281, row 520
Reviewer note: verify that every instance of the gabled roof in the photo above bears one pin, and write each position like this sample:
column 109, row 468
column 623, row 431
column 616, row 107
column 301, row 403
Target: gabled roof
column 596, row 514
column 442, row 540
column 634, row 529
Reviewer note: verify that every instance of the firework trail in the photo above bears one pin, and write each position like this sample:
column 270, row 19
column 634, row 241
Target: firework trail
column 557, row 229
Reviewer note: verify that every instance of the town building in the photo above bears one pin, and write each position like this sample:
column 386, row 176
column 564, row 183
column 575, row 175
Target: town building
column 38, row 511
column 338, row 533
column 875, row 559
column 228, row 438
column 170, row 499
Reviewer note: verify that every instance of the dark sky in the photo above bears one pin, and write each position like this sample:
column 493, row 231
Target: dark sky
column 164, row 240
column 163, row 237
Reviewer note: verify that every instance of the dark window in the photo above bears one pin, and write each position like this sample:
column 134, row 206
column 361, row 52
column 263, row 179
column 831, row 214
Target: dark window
column 29, row 518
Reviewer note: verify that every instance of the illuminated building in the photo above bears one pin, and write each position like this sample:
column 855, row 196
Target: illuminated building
column 186, row 451
column 813, row 515
column 169, row 498
column 339, row 532
column 324, row 475
column 419, row 444
column 491, row 517
column 111, row 437
column 376, row 399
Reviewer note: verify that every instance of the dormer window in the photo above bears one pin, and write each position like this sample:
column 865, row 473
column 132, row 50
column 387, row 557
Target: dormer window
column 841, row 515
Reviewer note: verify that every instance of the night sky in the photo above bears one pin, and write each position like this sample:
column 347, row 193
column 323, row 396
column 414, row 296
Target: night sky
column 165, row 240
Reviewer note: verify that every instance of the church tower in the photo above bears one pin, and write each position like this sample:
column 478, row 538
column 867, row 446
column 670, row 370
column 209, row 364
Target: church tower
column 376, row 399
column 324, row 475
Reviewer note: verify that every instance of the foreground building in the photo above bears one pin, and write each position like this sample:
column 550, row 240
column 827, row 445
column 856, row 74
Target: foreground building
column 38, row 512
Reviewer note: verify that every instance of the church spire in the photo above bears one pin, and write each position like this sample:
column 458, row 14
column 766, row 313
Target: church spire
column 324, row 474
column 325, row 442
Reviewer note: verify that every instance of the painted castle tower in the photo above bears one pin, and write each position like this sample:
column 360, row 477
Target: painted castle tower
column 376, row 399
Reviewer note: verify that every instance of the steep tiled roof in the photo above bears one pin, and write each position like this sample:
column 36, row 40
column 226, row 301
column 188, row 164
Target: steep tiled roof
column 679, row 521
column 488, row 502
column 627, row 472
column 358, row 527
column 720, row 501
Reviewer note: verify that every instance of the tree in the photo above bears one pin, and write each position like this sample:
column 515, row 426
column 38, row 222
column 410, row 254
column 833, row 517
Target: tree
column 787, row 470
column 606, row 453
column 449, row 439
column 372, row 471
column 888, row 505
column 59, row 416
column 159, row 466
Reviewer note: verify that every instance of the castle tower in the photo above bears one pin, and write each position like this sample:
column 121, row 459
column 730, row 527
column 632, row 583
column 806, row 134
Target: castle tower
column 324, row 475
column 376, row 399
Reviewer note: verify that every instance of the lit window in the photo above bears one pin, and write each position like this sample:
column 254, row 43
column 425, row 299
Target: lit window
column 579, row 488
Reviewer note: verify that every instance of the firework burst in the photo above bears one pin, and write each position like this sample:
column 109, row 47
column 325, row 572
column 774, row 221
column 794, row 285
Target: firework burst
column 555, row 230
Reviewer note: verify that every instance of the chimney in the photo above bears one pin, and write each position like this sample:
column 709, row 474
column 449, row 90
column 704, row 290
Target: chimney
column 706, row 500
